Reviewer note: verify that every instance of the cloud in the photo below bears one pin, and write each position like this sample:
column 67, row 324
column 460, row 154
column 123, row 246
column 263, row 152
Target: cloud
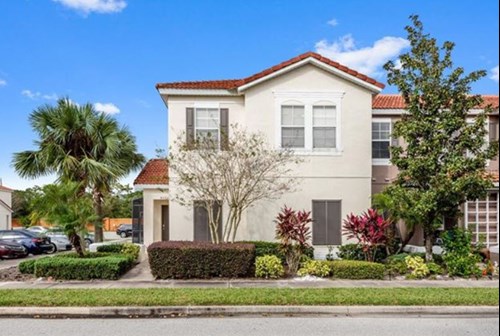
column 333, row 22
column 97, row 6
column 367, row 60
column 37, row 95
column 494, row 74
column 107, row 108
column 3, row 82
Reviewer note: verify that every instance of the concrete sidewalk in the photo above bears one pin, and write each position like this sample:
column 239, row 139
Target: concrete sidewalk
column 251, row 283
column 202, row 311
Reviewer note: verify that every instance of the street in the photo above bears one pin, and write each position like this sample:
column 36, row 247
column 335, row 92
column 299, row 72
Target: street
column 270, row 326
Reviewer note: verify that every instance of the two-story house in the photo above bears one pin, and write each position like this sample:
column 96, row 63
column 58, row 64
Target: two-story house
column 5, row 207
column 332, row 116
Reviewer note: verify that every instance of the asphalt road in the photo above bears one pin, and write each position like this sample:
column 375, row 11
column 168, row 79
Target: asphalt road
column 269, row 326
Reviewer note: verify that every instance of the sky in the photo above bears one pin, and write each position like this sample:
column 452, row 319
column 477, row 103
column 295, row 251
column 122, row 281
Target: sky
column 111, row 53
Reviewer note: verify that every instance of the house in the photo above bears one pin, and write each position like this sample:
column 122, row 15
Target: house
column 324, row 110
column 5, row 207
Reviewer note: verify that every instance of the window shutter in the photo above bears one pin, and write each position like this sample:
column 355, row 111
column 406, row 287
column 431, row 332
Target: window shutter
column 201, row 227
column 394, row 141
column 327, row 228
column 493, row 132
column 189, row 125
column 224, row 128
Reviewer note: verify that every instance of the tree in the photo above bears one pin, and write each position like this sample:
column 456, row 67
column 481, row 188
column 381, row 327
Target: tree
column 118, row 202
column 81, row 145
column 443, row 162
column 63, row 204
column 246, row 170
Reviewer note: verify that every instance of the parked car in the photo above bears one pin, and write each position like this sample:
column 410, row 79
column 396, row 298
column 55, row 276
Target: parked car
column 37, row 229
column 60, row 240
column 33, row 242
column 88, row 237
column 124, row 230
column 12, row 250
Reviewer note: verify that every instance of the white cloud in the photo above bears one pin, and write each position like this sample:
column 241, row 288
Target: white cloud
column 107, row 108
column 494, row 74
column 37, row 95
column 367, row 60
column 3, row 82
column 97, row 6
column 333, row 22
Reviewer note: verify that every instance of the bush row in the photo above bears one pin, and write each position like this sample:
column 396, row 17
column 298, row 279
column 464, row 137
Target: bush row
column 127, row 248
column 70, row 266
column 263, row 248
column 187, row 259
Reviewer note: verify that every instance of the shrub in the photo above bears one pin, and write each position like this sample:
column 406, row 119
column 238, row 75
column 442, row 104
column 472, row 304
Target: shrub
column 317, row 268
column 268, row 266
column 459, row 255
column 417, row 267
column 352, row 269
column 263, row 248
column 185, row 259
column 369, row 229
column 355, row 252
column 111, row 248
column 396, row 267
column 435, row 269
column 126, row 248
column 27, row 266
column 109, row 267
column 294, row 231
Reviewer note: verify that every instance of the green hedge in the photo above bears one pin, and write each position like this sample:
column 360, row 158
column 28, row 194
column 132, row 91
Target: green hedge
column 263, row 248
column 352, row 269
column 126, row 248
column 27, row 266
column 109, row 267
column 111, row 248
column 184, row 260
column 355, row 252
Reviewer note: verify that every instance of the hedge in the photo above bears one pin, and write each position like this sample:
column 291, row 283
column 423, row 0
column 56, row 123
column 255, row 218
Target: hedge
column 126, row 248
column 185, row 259
column 351, row 269
column 263, row 248
column 108, row 267
column 355, row 252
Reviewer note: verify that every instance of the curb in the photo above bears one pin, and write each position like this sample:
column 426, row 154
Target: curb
column 204, row 311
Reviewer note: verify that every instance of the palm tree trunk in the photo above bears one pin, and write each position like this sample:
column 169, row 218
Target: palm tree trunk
column 76, row 241
column 98, row 231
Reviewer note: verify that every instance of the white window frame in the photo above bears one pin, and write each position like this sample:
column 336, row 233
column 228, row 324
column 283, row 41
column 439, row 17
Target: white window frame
column 488, row 223
column 207, row 105
column 381, row 162
column 293, row 104
column 309, row 99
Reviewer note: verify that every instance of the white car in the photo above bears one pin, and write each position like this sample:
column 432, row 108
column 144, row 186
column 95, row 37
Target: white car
column 59, row 239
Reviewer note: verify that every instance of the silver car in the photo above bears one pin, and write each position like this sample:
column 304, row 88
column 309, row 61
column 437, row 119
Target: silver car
column 59, row 239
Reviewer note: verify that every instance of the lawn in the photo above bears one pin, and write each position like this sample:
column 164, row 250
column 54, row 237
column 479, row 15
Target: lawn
column 250, row 296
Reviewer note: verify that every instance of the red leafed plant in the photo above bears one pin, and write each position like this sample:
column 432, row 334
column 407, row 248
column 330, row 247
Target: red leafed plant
column 369, row 229
column 294, row 231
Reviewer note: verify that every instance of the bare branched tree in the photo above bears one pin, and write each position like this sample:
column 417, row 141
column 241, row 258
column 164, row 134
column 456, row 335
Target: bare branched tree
column 236, row 172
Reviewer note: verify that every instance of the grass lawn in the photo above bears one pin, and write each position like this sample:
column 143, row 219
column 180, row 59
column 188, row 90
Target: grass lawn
column 250, row 296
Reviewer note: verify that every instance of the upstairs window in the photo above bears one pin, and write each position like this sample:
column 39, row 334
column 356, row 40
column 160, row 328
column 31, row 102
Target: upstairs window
column 381, row 140
column 207, row 124
column 292, row 126
column 324, row 127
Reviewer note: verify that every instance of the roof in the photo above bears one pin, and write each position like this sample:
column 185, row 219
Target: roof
column 396, row 102
column 493, row 175
column 231, row 84
column 154, row 172
column 3, row 188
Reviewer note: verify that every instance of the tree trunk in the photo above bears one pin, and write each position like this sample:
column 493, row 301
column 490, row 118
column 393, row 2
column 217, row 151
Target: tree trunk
column 98, row 231
column 429, row 242
column 405, row 241
column 76, row 241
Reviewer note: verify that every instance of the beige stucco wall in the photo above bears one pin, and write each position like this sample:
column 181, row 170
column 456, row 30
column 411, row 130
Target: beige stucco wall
column 346, row 176
column 5, row 214
column 153, row 199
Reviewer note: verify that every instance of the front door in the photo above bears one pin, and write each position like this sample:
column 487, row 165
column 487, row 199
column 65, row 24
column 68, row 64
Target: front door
column 164, row 223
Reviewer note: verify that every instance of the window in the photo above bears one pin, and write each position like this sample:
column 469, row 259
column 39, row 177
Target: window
column 292, row 126
column 327, row 223
column 381, row 140
column 207, row 122
column 324, row 127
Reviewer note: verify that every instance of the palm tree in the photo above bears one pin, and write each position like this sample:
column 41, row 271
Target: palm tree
column 62, row 205
column 81, row 145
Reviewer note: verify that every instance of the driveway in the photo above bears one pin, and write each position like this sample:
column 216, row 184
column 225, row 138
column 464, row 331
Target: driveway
column 7, row 263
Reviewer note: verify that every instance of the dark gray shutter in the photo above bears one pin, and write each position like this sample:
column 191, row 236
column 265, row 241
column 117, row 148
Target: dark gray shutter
column 493, row 132
column 394, row 141
column 224, row 128
column 201, row 227
column 327, row 226
column 189, row 125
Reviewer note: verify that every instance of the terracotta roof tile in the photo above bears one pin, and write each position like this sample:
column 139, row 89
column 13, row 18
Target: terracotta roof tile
column 3, row 188
column 396, row 101
column 493, row 175
column 231, row 84
column 154, row 172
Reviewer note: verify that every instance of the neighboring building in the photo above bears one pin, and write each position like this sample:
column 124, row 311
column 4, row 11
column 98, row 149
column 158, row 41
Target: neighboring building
column 325, row 111
column 5, row 207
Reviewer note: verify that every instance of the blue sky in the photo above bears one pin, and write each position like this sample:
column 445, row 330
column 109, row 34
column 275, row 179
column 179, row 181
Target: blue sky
column 112, row 52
